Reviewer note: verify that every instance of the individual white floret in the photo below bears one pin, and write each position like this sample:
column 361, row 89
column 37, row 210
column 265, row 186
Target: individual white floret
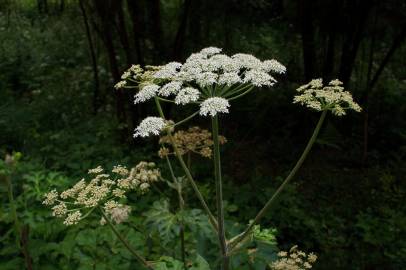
column 247, row 61
column 50, row 197
column 209, row 51
column 206, row 78
column 187, row 95
column 273, row 66
column 168, row 71
column 59, row 210
column 170, row 88
column 214, row 105
column 226, row 63
column 120, row 84
column 147, row 92
column 96, row 170
column 229, row 78
column 126, row 75
column 150, row 126
column 73, row 218
column 210, row 65
column 258, row 78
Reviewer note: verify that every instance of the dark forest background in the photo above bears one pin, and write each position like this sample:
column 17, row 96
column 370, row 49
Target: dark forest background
column 59, row 61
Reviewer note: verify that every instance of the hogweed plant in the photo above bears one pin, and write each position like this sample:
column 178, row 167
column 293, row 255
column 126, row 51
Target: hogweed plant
column 208, row 81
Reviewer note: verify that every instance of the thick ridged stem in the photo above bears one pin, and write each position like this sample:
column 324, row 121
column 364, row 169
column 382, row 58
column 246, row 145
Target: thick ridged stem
column 219, row 194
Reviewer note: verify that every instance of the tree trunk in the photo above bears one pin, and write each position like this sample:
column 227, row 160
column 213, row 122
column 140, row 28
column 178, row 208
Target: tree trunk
column 106, row 34
column 354, row 28
column 96, row 91
column 155, row 13
column 137, row 30
column 307, row 33
column 122, row 32
column 181, row 32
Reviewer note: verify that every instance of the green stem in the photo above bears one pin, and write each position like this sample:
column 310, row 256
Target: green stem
column 231, row 91
column 186, row 119
column 187, row 172
column 124, row 241
column 182, row 228
column 165, row 100
column 181, row 207
column 299, row 163
column 219, row 193
column 242, row 94
column 17, row 227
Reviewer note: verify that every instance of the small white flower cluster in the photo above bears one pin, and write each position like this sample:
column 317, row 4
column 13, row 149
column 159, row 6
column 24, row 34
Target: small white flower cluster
column 102, row 188
column 150, row 126
column 330, row 97
column 132, row 73
column 294, row 260
column 117, row 212
column 214, row 105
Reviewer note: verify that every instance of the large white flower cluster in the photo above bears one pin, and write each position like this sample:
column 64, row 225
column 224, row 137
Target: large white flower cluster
column 209, row 67
column 205, row 69
column 330, row 97
column 207, row 78
column 103, row 189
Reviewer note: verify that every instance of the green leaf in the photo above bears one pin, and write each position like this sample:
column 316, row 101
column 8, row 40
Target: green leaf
column 200, row 264
column 168, row 263
column 161, row 220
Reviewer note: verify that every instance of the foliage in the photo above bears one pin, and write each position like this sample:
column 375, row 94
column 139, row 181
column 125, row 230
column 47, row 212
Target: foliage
column 351, row 213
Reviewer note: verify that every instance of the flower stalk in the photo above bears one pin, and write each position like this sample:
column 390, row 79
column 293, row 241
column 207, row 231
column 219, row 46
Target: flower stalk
column 219, row 194
column 189, row 176
column 292, row 173
column 124, row 241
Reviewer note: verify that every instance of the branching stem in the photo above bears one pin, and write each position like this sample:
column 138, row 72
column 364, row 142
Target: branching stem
column 299, row 163
column 199, row 195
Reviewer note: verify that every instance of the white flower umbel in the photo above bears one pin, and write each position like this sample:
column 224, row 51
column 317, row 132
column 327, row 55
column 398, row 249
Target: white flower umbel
column 273, row 65
column 206, row 78
column 214, row 105
column 207, row 73
column 187, row 95
column 229, row 78
column 147, row 92
column 330, row 97
column 247, row 61
column 258, row 78
column 168, row 71
column 150, row 126
column 209, row 51
column 170, row 89
column 120, row 84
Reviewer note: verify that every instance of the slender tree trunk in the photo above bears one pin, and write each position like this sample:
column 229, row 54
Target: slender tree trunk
column 307, row 33
column 134, row 11
column 106, row 34
column 181, row 32
column 96, row 91
column 24, row 246
column 61, row 6
column 355, row 28
column 398, row 41
column 195, row 25
column 122, row 32
column 155, row 13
